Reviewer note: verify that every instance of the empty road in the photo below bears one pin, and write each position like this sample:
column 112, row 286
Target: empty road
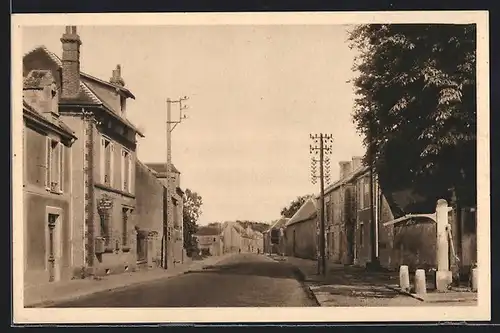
column 246, row 280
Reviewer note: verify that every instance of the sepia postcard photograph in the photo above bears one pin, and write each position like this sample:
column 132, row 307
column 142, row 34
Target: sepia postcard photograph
column 250, row 167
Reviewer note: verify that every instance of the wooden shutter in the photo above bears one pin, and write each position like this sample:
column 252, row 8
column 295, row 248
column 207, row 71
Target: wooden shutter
column 61, row 167
column 101, row 159
column 111, row 163
column 48, row 153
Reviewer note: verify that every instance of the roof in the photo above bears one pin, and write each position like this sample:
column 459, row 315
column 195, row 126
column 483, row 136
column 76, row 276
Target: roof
column 355, row 173
column 207, row 231
column 279, row 223
column 55, row 58
column 161, row 168
column 56, row 124
column 308, row 210
column 87, row 95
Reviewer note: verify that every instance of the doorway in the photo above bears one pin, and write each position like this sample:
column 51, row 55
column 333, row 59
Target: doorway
column 54, row 246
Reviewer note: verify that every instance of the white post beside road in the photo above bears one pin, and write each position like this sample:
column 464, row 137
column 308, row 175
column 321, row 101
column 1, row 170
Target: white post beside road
column 443, row 273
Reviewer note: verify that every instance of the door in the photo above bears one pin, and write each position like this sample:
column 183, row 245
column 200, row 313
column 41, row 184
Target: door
column 54, row 247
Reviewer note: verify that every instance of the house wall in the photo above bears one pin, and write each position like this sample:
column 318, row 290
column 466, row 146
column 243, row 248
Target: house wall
column 77, row 184
column 37, row 205
column 149, row 209
column 301, row 239
column 118, row 257
column 232, row 240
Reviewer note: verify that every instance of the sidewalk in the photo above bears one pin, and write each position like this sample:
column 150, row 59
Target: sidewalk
column 356, row 286
column 52, row 293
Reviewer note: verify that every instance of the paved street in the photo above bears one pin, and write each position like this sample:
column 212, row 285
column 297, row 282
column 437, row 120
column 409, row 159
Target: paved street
column 244, row 280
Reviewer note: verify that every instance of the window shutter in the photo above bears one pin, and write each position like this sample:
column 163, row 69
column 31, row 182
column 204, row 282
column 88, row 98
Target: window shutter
column 130, row 172
column 47, row 162
column 122, row 169
column 101, row 160
column 61, row 167
column 111, row 163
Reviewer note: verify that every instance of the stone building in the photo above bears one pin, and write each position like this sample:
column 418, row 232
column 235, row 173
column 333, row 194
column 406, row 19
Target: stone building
column 276, row 236
column 49, row 242
column 209, row 240
column 174, row 242
column 149, row 214
column 301, row 231
column 103, row 162
column 232, row 239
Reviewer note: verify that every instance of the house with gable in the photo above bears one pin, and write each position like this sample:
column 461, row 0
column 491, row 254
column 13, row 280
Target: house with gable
column 47, row 189
column 173, row 225
column 103, row 158
column 275, row 237
column 301, row 232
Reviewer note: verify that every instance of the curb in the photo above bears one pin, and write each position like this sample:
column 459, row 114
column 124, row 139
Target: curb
column 422, row 299
column 301, row 277
column 403, row 292
column 44, row 304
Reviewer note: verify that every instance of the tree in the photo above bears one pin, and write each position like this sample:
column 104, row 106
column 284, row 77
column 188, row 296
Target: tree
column 416, row 106
column 191, row 212
column 295, row 205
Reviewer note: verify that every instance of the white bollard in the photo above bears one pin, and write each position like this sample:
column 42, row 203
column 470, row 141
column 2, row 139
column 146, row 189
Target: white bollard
column 420, row 284
column 474, row 279
column 404, row 278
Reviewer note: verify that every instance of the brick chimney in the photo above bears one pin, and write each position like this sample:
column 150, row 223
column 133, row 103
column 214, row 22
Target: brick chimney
column 356, row 162
column 116, row 78
column 345, row 168
column 70, row 85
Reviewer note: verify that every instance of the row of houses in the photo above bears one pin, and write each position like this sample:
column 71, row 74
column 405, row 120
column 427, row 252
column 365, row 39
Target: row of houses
column 90, row 207
column 355, row 210
column 229, row 237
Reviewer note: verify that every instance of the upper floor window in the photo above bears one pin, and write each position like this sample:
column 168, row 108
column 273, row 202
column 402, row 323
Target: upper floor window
column 366, row 192
column 126, row 170
column 54, row 166
column 107, row 161
column 360, row 194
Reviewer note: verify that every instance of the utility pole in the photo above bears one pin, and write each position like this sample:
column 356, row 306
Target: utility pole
column 168, row 168
column 322, row 146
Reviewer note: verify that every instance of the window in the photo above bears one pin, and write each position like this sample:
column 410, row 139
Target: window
column 126, row 170
column 359, row 191
column 361, row 234
column 125, row 213
column 107, row 150
column 104, row 217
column 54, row 166
column 366, row 192
column 327, row 213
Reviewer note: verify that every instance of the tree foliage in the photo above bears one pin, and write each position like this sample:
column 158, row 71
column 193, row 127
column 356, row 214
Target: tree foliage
column 416, row 106
column 191, row 213
column 294, row 206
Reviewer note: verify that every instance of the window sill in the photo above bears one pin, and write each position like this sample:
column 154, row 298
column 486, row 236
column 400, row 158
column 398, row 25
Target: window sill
column 58, row 192
column 111, row 189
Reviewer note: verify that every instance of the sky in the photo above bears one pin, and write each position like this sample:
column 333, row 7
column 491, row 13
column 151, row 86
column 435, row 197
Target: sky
column 256, row 93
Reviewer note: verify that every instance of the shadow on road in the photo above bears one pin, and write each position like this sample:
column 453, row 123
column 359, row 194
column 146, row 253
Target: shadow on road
column 265, row 269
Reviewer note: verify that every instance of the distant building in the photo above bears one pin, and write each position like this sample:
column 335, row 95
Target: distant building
column 301, row 231
column 149, row 212
column 209, row 240
column 174, row 242
column 275, row 237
